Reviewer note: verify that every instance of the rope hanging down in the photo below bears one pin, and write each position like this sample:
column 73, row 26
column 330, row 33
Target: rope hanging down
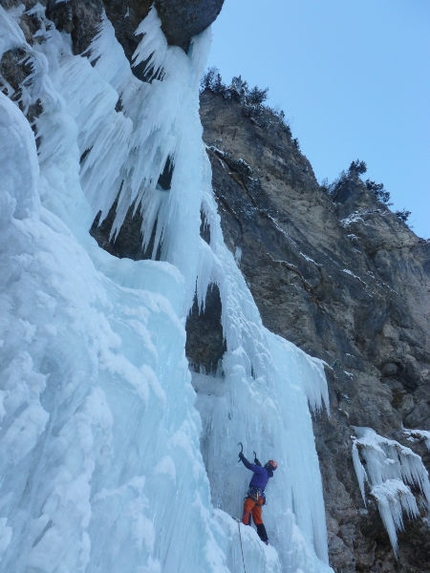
column 241, row 546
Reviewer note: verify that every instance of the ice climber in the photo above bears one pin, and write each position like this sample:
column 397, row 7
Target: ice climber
column 255, row 497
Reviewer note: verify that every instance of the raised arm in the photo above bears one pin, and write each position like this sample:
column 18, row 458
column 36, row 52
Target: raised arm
column 248, row 464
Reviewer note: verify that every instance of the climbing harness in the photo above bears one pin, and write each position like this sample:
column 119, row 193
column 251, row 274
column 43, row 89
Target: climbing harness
column 241, row 546
column 256, row 493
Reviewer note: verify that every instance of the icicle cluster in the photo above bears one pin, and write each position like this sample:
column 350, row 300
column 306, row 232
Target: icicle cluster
column 418, row 435
column 392, row 472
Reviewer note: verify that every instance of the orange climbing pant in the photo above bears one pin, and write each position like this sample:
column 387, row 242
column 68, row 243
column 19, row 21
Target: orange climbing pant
column 252, row 507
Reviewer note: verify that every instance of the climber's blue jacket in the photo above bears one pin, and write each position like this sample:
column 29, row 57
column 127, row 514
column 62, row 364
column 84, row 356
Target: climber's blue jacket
column 261, row 474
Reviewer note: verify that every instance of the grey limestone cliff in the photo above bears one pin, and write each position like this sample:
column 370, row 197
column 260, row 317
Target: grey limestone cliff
column 342, row 277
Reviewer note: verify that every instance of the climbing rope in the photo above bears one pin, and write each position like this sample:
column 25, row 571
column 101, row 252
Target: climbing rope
column 241, row 546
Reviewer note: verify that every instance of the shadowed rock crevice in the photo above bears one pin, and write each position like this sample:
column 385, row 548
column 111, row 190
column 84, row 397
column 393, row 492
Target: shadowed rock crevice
column 205, row 344
column 15, row 70
column 127, row 243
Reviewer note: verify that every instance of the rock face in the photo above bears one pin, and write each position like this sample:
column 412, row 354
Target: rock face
column 180, row 19
column 183, row 20
column 343, row 278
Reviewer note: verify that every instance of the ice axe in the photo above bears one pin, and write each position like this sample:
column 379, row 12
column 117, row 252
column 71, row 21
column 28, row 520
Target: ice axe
column 241, row 449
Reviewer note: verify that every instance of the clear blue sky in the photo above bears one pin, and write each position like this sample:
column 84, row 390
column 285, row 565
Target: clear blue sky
column 353, row 78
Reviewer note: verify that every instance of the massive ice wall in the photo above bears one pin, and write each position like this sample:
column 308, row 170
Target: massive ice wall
column 114, row 456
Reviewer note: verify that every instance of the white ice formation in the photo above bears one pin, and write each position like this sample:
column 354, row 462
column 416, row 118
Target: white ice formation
column 393, row 473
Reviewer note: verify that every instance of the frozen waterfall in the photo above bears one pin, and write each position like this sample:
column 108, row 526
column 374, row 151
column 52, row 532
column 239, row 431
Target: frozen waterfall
column 115, row 456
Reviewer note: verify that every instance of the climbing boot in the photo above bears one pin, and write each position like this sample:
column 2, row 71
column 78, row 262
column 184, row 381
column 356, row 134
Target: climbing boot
column 262, row 533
